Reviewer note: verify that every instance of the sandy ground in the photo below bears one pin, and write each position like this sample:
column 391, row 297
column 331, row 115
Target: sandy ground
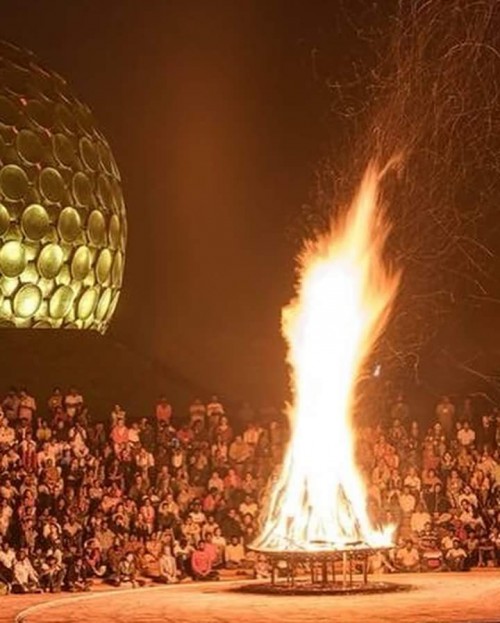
column 435, row 598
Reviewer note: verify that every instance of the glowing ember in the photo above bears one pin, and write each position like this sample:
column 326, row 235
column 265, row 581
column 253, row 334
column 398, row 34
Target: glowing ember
column 344, row 294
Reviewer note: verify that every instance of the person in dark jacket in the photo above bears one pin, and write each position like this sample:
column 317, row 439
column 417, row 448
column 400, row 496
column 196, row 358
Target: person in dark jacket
column 76, row 576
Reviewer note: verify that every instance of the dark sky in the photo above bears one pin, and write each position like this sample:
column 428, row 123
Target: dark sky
column 219, row 114
column 217, row 120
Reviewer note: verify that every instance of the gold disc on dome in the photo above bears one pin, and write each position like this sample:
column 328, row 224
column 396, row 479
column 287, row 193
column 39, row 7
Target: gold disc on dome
column 12, row 258
column 82, row 189
column 96, row 227
column 117, row 271
column 114, row 303
column 52, row 185
column 124, row 234
column 50, row 261
column 103, row 305
column 27, row 301
column 13, row 182
column 4, row 219
column 84, row 118
column 69, row 224
column 114, row 231
column 35, row 222
column 103, row 266
column 87, row 303
column 104, row 191
column 104, row 157
column 116, row 196
column 88, row 152
column 61, row 301
column 81, row 263
column 65, row 118
column 63, row 149
column 29, row 146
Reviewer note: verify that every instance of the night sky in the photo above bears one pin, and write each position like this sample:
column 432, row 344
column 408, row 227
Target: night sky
column 219, row 115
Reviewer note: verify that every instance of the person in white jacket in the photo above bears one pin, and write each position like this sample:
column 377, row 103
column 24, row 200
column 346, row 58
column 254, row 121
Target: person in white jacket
column 25, row 577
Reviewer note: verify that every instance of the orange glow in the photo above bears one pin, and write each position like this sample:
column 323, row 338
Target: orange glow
column 344, row 295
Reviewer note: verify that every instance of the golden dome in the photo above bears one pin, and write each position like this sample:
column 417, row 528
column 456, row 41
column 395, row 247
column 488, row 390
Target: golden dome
column 63, row 226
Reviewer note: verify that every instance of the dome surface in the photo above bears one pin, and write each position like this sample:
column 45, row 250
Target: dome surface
column 63, row 226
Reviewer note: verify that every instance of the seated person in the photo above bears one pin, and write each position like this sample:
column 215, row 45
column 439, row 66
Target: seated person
column 262, row 569
column 456, row 557
column 25, row 577
column 127, row 571
column 234, row 553
column 51, row 575
column 76, row 576
column 183, row 552
column 408, row 558
column 167, row 567
column 201, row 564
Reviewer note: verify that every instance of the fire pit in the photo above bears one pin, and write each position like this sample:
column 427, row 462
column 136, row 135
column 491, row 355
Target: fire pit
column 316, row 530
column 327, row 572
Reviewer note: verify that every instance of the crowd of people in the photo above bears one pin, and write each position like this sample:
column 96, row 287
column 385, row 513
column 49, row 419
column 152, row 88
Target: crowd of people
column 172, row 496
column 440, row 487
column 127, row 500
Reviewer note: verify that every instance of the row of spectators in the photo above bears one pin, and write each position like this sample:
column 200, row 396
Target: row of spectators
column 166, row 497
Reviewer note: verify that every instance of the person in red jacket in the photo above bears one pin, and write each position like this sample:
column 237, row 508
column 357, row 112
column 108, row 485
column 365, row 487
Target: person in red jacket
column 201, row 564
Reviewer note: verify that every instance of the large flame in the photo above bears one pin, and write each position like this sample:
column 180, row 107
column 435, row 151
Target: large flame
column 344, row 294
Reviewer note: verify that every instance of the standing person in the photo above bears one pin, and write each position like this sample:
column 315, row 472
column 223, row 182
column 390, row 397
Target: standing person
column 55, row 401
column 215, row 406
column 7, row 434
column 197, row 413
column 117, row 414
column 119, row 436
column 28, row 453
column 163, row 412
column 486, row 434
column 400, row 410
column 27, row 407
column 466, row 436
column 215, row 410
column 73, row 403
column 201, row 564
column 10, row 405
column 6, row 513
column 445, row 413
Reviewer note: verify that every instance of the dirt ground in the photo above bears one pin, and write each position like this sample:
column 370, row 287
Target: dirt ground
column 434, row 598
